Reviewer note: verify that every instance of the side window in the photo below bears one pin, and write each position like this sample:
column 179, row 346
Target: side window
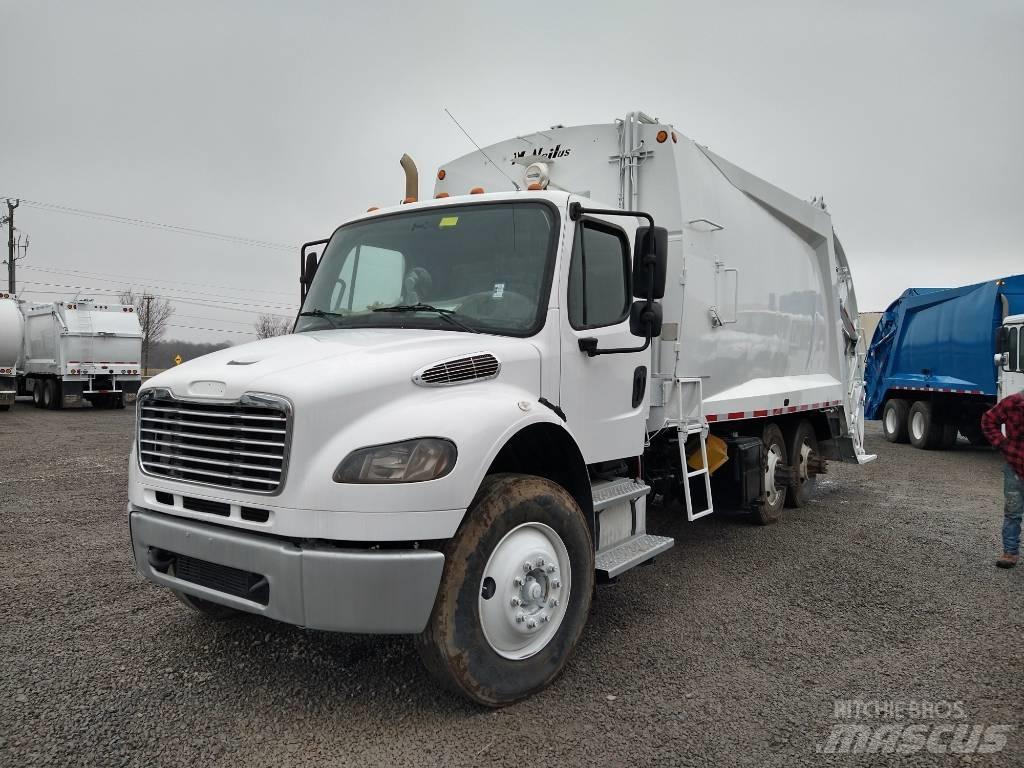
column 370, row 277
column 598, row 292
column 1012, row 349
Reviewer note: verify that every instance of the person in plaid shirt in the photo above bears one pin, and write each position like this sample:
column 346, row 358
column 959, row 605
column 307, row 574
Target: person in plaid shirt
column 1009, row 412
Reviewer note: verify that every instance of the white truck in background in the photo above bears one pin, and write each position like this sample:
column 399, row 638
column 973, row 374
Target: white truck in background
column 81, row 349
column 459, row 438
column 11, row 323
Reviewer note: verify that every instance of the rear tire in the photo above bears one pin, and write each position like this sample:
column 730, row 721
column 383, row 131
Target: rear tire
column 478, row 642
column 37, row 394
column 971, row 429
column 802, row 446
column 926, row 431
column 894, row 420
column 48, row 395
column 949, row 435
column 769, row 509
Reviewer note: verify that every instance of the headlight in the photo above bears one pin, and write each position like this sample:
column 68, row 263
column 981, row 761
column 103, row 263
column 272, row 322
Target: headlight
column 410, row 461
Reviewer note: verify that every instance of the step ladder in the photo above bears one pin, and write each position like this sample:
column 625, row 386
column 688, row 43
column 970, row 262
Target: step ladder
column 692, row 422
column 627, row 542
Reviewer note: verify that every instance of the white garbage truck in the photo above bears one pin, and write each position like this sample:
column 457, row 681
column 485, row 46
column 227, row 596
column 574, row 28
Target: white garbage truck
column 81, row 349
column 483, row 390
column 11, row 324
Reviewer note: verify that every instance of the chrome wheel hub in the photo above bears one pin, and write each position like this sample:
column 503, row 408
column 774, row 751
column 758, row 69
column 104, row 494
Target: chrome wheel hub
column 524, row 591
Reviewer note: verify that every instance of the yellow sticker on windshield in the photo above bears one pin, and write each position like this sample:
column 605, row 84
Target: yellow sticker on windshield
column 449, row 221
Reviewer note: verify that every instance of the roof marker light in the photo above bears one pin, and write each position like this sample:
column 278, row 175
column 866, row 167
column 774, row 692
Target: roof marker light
column 662, row 136
column 476, row 191
column 441, row 174
column 439, row 195
column 409, row 200
column 675, row 137
column 372, row 208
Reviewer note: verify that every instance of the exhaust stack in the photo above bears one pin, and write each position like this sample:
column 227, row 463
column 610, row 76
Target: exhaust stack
column 412, row 180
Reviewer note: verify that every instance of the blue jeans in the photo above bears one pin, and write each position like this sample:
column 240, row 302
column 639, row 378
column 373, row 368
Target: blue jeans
column 1013, row 491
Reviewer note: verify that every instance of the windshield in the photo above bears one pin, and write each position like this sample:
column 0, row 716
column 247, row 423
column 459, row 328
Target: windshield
column 487, row 267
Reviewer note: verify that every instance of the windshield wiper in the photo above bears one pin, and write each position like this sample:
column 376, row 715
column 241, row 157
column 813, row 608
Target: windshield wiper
column 328, row 316
column 446, row 314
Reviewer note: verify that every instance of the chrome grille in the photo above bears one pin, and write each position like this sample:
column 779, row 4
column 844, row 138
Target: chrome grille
column 459, row 370
column 241, row 445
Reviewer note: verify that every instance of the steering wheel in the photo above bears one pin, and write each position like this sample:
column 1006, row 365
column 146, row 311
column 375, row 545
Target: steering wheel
column 509, row 307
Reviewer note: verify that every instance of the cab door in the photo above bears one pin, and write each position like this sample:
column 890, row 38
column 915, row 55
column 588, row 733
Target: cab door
column 1011, row 375
column 603, row 397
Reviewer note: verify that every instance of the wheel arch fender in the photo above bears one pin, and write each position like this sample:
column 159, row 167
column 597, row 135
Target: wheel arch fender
column 543, row 446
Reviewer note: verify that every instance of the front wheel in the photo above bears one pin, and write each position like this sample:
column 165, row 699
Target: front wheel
column 515, row 592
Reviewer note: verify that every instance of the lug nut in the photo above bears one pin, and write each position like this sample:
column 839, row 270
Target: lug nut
column 532, row 624
column 527, row 566
column 540, row 562
column 520, row 618
column 543, row 618
column 553, row 602
column 516, row 602
column 550, row 569
column 518, row 581
column 555, row 584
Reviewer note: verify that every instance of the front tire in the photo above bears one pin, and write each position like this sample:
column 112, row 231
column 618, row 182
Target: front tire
column 515, row 592
column 894, row 420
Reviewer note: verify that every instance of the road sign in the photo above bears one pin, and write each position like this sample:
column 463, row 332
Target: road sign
column 177, row 359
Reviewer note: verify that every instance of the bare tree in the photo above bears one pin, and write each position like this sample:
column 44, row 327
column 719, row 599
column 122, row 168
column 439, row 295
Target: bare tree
column 154, row 314
column 272, row 325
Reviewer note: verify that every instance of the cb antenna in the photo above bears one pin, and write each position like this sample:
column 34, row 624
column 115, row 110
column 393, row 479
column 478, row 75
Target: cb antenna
column 480, row 149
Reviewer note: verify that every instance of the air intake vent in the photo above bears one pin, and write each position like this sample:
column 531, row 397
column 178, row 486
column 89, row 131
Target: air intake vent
column 458, row 370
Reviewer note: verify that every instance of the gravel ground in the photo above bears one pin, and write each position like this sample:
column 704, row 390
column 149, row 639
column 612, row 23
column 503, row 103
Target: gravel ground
column 730, row 650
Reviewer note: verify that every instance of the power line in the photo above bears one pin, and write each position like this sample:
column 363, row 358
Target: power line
column 168, row 296
column 212, row 330
column 179, row 229
column 129, row 279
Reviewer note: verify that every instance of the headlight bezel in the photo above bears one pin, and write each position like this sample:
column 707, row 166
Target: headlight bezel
column 425, row 459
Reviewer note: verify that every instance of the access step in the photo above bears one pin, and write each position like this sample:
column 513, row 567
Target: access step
column 630, row 553
column 606, row 493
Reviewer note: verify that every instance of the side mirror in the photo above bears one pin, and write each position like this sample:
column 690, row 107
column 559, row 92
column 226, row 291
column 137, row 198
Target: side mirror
column 650, row 262
column 645, row 319
column 309, row 270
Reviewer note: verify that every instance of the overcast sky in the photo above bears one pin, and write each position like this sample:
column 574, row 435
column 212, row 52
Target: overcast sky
column 277, row 121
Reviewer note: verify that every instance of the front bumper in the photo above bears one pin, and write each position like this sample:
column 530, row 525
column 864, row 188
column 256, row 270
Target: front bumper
column 335, row 589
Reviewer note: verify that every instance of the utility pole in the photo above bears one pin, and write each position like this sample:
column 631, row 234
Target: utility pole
column 145, row 335
column 10, row 243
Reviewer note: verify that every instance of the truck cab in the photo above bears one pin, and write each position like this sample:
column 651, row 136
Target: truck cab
column 1009, row 359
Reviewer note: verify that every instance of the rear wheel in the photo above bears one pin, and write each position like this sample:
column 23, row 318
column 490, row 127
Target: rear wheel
column 802, row 446
column 37, row 393
column 769, row 510
column 48, row 394
column 515, row 592
column 970, row 428
column 894, row 420
column 949, row 434
column 926, row 431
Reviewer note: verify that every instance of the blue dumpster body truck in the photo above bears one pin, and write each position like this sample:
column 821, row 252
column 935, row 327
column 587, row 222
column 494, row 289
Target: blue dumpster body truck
column 930, row 370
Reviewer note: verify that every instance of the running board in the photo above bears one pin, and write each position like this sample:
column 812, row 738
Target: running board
column 625, row 489
column 632, row 552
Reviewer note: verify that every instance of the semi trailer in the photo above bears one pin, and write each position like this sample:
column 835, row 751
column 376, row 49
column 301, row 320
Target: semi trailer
column 81, row 350
column 930, row 370
column 483, row 389
column 11, row 324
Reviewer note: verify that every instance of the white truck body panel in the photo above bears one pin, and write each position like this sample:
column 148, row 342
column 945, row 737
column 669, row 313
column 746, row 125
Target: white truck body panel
column 60, row 336
column 11, row 329
column 766, row 264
